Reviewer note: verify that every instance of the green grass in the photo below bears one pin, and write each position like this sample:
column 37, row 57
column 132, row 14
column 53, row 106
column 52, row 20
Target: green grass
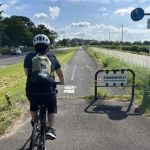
column 66, row 55
column 142, row 92
column 12, row 82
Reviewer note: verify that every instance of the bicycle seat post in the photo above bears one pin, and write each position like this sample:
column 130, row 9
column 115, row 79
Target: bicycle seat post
column 43, row 115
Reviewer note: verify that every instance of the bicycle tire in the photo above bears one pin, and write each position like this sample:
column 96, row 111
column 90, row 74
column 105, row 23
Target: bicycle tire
column 39, row 139
column 42, row 139
column 34, row 136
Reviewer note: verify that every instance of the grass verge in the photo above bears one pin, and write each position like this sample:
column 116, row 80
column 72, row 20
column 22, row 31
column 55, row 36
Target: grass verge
column 142, row 92
column 12, row 83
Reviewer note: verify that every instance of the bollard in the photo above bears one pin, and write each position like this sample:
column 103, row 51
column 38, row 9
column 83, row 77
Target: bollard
column 8, row 100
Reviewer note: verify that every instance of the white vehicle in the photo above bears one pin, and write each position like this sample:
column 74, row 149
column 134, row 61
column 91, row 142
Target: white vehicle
column 16, row 51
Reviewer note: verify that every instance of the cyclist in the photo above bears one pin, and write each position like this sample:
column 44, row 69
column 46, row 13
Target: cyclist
column 41, row 43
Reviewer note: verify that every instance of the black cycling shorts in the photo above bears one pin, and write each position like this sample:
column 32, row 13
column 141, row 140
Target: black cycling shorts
column 47, row 100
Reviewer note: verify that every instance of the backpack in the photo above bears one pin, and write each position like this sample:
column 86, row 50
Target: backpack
column 41, row 70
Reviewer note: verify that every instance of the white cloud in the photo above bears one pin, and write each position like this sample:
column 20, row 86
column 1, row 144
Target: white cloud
column 102, row 31
column 147, row 10
column 40, row 16
column 4, row 7
column 80, row 24
column 123, row 11
column 5, row 15
column 8, row 5
column 54, row 12
column 141, row 25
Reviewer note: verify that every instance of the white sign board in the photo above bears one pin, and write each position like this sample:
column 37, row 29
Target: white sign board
column 116, row 79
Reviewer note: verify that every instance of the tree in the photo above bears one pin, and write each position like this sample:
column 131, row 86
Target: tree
column 28, row 23
column 52, row 36
column 65, row 42
column 20, row 30
column 1, row 25
column 146, row 42
column 1, row 11
column 16, row 32
column 2, row 32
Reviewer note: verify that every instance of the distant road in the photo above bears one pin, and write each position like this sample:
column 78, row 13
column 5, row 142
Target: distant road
column 12, row 59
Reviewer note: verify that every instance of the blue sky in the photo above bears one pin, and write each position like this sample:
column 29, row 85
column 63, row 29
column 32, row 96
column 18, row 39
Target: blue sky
column 88, row 19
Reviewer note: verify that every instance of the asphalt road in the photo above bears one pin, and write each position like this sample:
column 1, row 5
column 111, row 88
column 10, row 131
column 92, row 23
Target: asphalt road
column 78, row 130
column 11, row 59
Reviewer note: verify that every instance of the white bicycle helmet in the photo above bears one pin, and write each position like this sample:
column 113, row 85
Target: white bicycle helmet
column 41, row 38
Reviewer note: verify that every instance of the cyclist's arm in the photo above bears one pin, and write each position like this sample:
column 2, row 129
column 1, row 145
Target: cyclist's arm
column 60, row 75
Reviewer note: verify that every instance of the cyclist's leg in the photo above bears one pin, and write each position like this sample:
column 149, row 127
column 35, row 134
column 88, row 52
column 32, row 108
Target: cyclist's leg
column 51, row 119
column 34, row 115
column 33, row 107
column 52, row 111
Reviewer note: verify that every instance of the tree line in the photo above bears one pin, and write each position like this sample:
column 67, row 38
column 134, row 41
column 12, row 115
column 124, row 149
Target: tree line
column 20, row 30
column 137, row 46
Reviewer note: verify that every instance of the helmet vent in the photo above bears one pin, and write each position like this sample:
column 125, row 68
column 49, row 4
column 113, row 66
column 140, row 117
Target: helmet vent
column 41, row 38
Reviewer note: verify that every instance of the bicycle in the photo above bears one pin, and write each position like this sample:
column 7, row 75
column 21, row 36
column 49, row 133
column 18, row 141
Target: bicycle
column 38, row 136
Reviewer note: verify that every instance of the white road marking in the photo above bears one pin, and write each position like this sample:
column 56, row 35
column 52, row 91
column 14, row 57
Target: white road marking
column 73, row 74
column 69, row 89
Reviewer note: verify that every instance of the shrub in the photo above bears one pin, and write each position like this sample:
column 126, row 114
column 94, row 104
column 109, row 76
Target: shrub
column 28, row 49
column 5, row 51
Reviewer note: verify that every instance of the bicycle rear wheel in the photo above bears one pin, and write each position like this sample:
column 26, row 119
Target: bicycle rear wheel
column 42, row 139
column 35, row 136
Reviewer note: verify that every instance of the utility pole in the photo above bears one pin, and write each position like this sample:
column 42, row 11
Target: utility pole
column 122, row 34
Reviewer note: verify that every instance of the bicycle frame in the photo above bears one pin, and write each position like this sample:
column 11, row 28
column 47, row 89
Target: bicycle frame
column 43, row 123
column 38, row 136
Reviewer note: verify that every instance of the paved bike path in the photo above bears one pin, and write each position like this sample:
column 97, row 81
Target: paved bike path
column 77, row 130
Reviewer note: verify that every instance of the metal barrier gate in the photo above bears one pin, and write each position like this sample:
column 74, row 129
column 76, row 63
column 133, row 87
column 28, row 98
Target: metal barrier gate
column 114, row 78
